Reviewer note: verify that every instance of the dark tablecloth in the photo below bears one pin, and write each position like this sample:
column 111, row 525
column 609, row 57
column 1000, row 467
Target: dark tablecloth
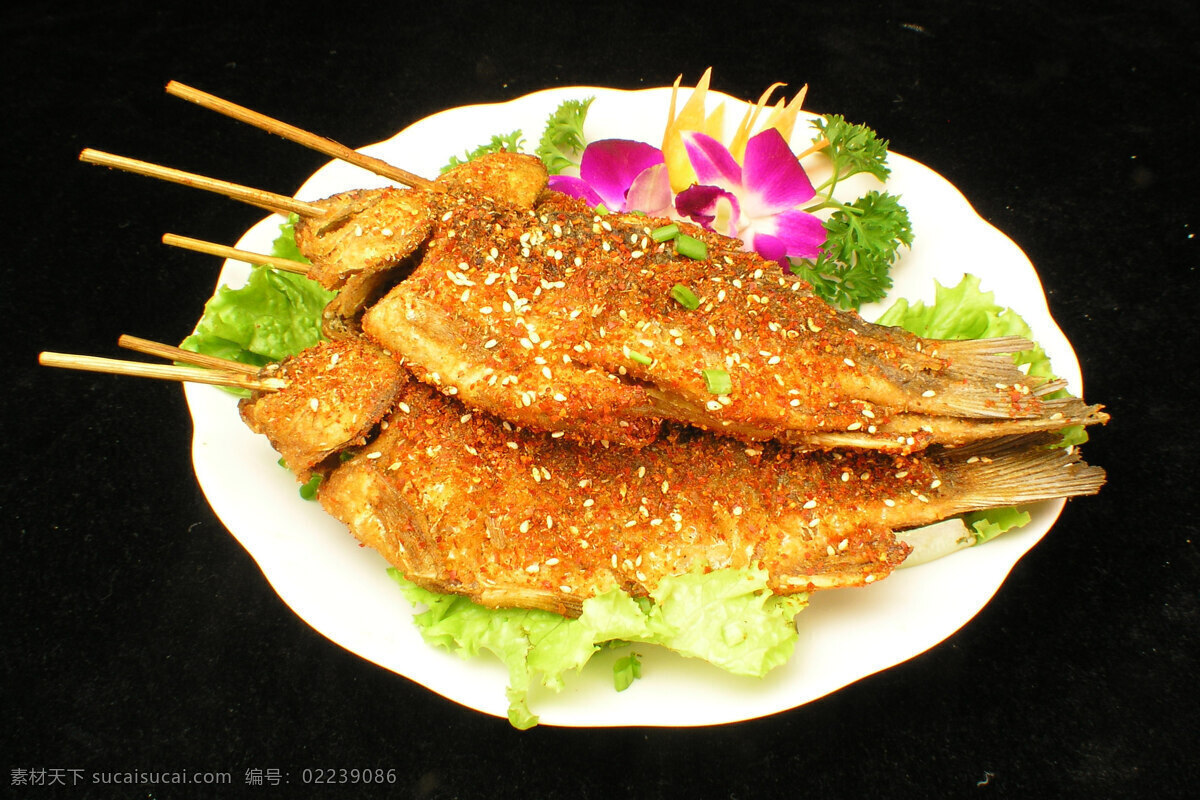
column 140, row 637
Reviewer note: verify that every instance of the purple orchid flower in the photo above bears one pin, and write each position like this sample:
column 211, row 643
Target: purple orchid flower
column 621, row 175
column 755, row 201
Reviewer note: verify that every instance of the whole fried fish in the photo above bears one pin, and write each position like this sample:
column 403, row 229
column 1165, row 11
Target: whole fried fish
column 463, row 503
column 537, row 309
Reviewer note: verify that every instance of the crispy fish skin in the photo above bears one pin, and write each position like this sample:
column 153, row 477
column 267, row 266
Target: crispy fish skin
column 335, row 394
column 462, row 503
column 561, row 319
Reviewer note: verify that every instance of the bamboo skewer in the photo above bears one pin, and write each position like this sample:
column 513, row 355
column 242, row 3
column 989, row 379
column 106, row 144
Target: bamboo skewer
column 319, row 143
column 187, row 356
column 211, row 370
column 171, row 372
column 224, row 251
column 263, row 199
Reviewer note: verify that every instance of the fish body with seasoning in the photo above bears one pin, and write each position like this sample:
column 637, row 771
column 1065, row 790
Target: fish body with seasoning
column 531, row 306
column 463, row 503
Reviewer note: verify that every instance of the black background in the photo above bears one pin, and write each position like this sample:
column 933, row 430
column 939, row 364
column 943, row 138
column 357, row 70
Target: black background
column 138, row 635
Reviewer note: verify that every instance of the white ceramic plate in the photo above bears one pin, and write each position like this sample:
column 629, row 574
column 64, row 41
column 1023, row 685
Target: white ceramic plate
column 341, row 588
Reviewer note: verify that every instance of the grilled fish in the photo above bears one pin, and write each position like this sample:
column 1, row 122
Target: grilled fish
column 535, row 308
column 463, row 503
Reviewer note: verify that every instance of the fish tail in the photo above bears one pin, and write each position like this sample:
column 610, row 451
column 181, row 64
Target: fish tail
column 981, row 380
column 1017, row 470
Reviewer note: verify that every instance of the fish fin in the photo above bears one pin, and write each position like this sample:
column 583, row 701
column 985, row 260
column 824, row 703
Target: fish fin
column 1017, row 470
column 981, row 380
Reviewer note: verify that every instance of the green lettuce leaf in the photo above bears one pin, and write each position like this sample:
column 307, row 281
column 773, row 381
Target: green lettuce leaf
column 274, row 315
column 987, row 525
column 726, row 617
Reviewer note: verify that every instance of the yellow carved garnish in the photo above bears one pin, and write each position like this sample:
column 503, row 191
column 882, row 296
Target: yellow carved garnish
column 691, row 117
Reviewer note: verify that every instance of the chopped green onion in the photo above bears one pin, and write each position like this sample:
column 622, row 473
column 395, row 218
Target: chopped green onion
column 640, row 357
column 685, row 297
column 601, row 209
column 691, row 247
column 665, row 232
column 717, row 381
column 309, row 490
column 626, row 670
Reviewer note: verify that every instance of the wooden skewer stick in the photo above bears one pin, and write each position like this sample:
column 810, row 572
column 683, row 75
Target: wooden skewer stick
column 186, row 356
column 257, row 197
column 303, row 137
column 169, row 372
column 224, row 251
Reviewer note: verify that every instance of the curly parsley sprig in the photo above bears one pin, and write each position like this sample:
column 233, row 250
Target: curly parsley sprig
column 852, row 149
column 862, row 242
column 863, row 237
column 513, row 142
column 562, row 142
